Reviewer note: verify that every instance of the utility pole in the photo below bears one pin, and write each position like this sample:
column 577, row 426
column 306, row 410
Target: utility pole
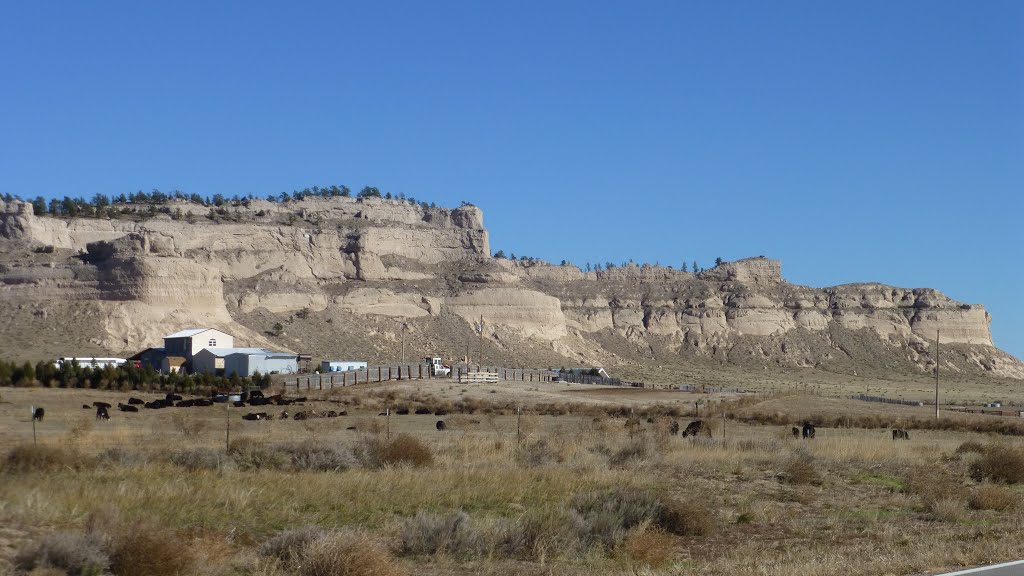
column 519, row 425
column 404, row 328
column 936, row 373
column 480, row 328
column 227, row 427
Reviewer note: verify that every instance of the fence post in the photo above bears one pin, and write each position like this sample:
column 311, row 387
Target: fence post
column 421, row 372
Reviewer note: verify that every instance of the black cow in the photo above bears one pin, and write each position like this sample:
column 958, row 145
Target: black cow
column 796, row 432
column 673, row 428
column 284, row 415
column 238, row 404
column 255, row 416
column 172, row 397
column 423, row 410
column 127, row 408
column 300, row 416
column 697, row 428
column 135, row 401
column 102, row 405
column 38, row 414
column 898, row 434
column 402, row 411
column 808, row 430
column 86, row 407
column 441, row 425
column 101, row 413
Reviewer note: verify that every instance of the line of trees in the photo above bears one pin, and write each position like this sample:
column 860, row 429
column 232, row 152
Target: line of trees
column 500, row 254
column 101, row 205
column 124, row 378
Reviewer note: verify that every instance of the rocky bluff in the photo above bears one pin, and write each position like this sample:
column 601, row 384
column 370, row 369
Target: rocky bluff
column 367, row 266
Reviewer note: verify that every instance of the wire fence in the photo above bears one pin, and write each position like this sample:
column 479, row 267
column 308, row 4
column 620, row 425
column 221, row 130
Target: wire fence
column 884, row 400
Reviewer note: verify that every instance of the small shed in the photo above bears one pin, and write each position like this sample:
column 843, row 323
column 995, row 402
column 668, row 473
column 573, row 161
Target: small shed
column 150, row 358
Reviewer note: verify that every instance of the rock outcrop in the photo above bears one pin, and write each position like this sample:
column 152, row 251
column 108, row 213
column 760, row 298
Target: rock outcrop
column 145, row 274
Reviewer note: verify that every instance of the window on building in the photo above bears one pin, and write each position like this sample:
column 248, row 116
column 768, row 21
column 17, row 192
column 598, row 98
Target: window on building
column 213, row 343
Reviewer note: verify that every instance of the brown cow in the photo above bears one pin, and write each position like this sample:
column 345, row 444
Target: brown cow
column 697, row 428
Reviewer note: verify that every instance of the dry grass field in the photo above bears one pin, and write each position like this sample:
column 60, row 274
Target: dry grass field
column 564, row 488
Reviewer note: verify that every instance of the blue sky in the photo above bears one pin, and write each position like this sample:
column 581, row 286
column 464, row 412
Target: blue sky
column 865, row 141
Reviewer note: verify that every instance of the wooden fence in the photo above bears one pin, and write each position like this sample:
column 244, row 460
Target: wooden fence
column 1012, row 413
column 398, row 372
column 884, row 400
column 478, row 378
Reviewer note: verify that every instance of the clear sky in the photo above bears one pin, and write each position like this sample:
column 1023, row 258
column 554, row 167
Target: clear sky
column 859, row 141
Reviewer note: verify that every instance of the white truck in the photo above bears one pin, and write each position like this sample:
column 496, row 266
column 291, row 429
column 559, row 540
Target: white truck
column 437, row 367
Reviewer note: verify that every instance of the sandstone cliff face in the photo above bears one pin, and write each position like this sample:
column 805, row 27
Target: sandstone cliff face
column 374, row 259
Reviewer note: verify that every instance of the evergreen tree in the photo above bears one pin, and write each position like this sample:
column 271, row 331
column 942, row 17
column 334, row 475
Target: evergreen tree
column 39, row 206
column 695, row 268
column 499, row 254
column 28, row 372
column 718, row 262
column 684, row 268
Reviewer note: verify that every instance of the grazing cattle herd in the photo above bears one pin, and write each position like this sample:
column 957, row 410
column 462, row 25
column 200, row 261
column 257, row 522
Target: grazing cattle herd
column 696, row 428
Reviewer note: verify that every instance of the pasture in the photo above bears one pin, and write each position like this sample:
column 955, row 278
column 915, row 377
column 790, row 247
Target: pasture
column 564, row 488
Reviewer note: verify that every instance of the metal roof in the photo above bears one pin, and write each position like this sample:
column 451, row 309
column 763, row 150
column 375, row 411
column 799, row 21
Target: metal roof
column 188, row 332
column 222, row 352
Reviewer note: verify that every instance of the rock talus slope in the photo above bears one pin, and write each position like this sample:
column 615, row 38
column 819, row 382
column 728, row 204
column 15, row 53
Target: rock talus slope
column 366, row 266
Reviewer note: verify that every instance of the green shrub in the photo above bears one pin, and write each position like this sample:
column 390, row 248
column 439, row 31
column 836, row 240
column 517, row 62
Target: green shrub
column 993, row 497
column 33, row 458
column 148, row 550
column 537, row 453
column 74, row 553
column 603, row 518
column 347, row 553
column 453, row 534
column 193, row 459
column 686, row 517
column 999, row 463
column 800, row 468
column 638, row 450
column 319, row 458
column 400, row 450
column 290, row 546
column 250, row 455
